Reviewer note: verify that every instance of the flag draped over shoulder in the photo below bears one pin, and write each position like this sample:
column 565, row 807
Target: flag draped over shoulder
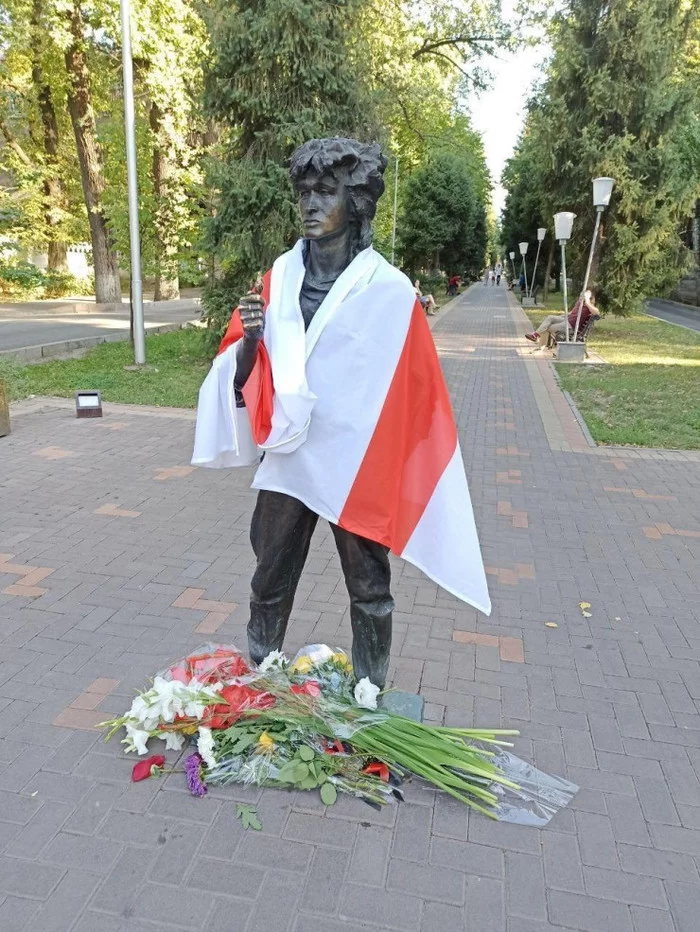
column 354, row 418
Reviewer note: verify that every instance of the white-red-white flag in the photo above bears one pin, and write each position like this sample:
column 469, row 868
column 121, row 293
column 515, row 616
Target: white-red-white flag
column 354, row 418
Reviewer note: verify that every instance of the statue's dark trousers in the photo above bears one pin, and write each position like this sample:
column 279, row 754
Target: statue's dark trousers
column 281, row 533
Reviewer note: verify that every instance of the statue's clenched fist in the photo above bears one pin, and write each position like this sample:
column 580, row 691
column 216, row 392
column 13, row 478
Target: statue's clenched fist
column 252, row 318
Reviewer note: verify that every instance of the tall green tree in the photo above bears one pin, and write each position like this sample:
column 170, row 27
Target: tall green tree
column 619, row 96
column 443, row 223
column 281, row 72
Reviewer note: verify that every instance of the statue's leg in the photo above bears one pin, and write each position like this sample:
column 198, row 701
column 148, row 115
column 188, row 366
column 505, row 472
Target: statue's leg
column 280, row 533
column 368, row 578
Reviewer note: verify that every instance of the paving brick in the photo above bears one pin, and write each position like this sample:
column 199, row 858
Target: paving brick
column 486, row 904
column 324, row 880
column 412, row 835
column 438, row 917
column 173, row 906
column 588, row 914
column 41, row 829
column 225, row 877
column 627, row 820
column 381, row 908
column 229, row 915
column 480, row 860
column 58, row 913
column 656, row 801
column 28, row 878
column 596, row 840
column 435, row 883
column 370, row 857
column 685, row 905
column 79, row 851
column 318, row 830
column 525, row 885
column 666, row 865
column 16, row 912
column 119, row 891
column 562, row 862
column 652, row 920
column 625, row 888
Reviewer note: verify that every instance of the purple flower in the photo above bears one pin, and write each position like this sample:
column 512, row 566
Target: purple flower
column 193, row 769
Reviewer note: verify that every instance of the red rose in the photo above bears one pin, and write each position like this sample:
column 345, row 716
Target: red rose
column 237, row 700
column 309, row 688
column 143, row 770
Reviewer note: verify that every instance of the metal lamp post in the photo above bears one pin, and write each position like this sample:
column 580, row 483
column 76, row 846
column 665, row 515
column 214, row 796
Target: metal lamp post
column 523, row 252
column 602, row 192
column 563, row 225
column 541, row 233
column 132, row 185
column 396, row 204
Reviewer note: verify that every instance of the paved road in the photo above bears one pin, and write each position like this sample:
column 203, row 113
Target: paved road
column 42, row 323
column 115, row 542
column 673, row 313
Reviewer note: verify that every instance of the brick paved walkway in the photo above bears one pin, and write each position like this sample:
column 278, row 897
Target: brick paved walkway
column 115, row 556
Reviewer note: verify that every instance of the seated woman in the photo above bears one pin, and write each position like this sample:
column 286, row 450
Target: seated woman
column 427, row 300
column 555, row 324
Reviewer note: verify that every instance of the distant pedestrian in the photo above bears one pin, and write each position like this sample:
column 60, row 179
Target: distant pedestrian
column 427, row 300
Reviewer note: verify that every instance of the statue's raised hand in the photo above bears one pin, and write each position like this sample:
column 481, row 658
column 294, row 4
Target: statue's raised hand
column 252, row 317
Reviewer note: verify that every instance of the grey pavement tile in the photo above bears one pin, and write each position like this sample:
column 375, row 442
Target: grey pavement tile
column 380, row 908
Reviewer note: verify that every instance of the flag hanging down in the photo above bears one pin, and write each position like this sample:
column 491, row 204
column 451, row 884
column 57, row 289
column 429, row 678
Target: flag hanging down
column 354, row 418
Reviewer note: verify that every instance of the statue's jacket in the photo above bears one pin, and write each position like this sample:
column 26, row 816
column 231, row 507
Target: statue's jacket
column 353, row 416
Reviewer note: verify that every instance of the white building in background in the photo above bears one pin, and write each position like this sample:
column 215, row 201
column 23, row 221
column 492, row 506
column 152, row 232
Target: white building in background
column 78, row 259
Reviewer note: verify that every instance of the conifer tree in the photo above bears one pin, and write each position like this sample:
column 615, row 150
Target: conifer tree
column 281, row 72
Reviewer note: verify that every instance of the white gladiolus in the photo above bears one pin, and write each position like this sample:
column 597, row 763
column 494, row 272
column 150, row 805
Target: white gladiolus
column 137, row 739
column 366, row 694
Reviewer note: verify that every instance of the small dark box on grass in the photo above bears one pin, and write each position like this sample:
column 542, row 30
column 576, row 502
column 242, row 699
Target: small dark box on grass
column 88, row 404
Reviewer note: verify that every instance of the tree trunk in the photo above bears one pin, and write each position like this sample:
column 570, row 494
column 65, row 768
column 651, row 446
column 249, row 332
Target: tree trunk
column 167, row 285
column 107, row 284
column 548, row 270
column 55, row 198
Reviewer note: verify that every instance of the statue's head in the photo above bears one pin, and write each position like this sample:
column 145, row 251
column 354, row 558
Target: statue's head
column 339, row 182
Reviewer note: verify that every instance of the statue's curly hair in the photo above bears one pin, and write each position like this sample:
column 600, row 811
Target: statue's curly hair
column 364, row 164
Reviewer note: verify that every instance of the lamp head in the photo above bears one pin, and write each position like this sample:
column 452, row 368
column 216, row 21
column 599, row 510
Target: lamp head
column 563, row 225
column 512, row 256
column 523, row 248
column 541, row 233
column 602, row 191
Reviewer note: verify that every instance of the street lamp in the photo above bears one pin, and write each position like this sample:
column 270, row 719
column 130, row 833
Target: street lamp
column 512, row 262
column 602, row 192
column 541, row 233
column 563, row 224
column 523, row 252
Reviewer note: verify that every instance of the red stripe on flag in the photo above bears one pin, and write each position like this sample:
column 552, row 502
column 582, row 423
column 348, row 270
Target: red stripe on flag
column 258, row 390
column 414, row 440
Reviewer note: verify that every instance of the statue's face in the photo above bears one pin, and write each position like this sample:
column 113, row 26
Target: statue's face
column 324, row 204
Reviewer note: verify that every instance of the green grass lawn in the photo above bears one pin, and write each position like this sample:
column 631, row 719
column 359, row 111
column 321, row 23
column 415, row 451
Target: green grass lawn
column 649, row 394
column 180, row 360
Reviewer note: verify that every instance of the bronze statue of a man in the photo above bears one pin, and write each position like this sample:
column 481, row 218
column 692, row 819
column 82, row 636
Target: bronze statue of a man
column 331, row 374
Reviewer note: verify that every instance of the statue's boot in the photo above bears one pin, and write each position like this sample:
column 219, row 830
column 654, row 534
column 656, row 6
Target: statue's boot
column 266, row 629
column 371, row 641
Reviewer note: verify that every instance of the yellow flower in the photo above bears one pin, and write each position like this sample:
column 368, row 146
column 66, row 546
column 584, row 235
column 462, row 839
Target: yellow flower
column 302, row 664
column 265, row 743
column 341, row 659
